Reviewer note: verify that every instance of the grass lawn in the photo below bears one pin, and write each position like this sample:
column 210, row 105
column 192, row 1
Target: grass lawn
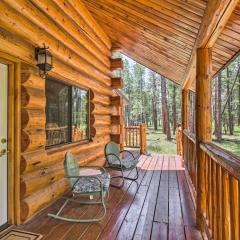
column 233, row 147
column 157, row 143
column 230, row 146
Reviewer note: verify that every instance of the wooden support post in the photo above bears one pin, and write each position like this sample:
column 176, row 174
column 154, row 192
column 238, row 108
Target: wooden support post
column 203, row 123
column 143, row 143
column 184, row 119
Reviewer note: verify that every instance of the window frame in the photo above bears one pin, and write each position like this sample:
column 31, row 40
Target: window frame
column 70, row 87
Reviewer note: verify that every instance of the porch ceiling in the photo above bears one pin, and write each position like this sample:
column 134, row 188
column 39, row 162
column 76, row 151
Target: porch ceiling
column 161, row 34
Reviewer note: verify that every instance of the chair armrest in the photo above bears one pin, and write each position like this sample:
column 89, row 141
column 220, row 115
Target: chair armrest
column 102, row 169
column 112, row 154
column 79, row 177
column 128, row 152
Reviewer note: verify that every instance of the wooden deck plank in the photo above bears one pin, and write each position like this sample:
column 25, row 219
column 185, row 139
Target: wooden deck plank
column 188, row 210
column 95, row 229
column 130, row 222
column 112, row 228
column 157, row 206
column 161, row 211
column 145, row 222
column 159, row 231
column 176, row 225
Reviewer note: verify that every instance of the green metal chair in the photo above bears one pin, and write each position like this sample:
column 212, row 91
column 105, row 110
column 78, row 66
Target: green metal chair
column 126, row 163
column 84, row 185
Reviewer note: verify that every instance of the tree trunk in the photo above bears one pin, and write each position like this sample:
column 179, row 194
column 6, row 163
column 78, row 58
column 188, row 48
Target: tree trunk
column 238, row 100
column 229, row 105
column 166, row 124
column 174, row 111
column 215, row 106
column 154, row 115
column 218, row 129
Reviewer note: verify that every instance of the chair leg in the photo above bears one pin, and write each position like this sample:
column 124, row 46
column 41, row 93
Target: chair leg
column 122, row 177
column 57, row 215
column 133, row 179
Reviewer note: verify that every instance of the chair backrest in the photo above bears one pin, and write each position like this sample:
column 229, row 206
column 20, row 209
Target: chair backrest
column 71, row 167
column 111, row 147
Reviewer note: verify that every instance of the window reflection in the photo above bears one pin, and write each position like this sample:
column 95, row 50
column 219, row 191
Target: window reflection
column 66, row 113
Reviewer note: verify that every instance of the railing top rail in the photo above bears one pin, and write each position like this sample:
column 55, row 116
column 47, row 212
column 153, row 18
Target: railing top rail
column 132, row 127
column 190, row 135
column 227, row 160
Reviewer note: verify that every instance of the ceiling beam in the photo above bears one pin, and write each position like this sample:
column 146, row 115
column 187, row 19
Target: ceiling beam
column 214, row 20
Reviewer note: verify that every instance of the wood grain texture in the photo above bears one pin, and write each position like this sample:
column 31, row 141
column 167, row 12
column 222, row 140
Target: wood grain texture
column 133, row 211
column 81, row 51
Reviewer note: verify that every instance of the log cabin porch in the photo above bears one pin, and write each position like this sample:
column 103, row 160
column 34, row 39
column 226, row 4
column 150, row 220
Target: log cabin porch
column 158, row 205
column 188, row 42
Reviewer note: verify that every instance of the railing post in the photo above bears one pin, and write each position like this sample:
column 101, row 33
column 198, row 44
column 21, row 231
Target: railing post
column 143, row 139
column 203, row 123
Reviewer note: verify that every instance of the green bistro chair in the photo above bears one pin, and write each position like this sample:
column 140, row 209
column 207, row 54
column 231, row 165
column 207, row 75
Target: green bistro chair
column 114, row 160
column 84, row 185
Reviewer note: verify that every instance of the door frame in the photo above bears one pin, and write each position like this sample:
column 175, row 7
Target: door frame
column 14, row 136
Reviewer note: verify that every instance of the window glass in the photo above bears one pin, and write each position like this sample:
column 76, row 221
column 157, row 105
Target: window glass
column 66, row 113
column 79, row 114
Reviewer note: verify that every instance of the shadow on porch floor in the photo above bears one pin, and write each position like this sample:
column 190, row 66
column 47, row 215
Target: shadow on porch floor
column 157, row 206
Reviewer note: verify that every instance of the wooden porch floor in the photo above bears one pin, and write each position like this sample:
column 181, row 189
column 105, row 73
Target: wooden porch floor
column 157, row 206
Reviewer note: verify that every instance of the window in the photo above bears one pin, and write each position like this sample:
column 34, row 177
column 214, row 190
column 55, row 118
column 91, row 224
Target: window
column 66, row 113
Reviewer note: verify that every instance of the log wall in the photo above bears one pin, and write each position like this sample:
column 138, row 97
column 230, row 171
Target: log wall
column 81, row 56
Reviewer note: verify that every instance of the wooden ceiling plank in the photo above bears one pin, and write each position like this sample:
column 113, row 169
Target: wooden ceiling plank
column 185, row 5
column 229, row 39
column 178, row 10
column 167, row 10
column 178, row 59
column 94, row 8
column 161, row 17
column 198, row 3
column 145, row 32
column 226, row 44
column 223, row 51
column 157, row 48
column 215, row 18
column 125, row 40
column 137, row 17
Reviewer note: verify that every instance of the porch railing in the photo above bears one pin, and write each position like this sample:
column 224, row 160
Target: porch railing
column 220, row 187
column 135, row 137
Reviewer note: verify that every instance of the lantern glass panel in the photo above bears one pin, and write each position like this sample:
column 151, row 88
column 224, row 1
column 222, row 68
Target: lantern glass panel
column 41, row 58
column 49, row 59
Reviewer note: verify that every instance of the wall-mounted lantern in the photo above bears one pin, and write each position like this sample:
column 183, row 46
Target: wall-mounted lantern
column 44, row 60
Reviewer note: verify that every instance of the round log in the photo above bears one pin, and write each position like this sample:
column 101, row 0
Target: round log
column 41, row 178
column 28, row 31
column 42, row 198
column 32, row 80
column 33, row 161
column 33, row 118
column 101, row 110
column 32, row 139
column 32, row 97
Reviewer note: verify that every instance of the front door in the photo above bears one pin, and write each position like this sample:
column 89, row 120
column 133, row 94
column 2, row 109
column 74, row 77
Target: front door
column 3, row 144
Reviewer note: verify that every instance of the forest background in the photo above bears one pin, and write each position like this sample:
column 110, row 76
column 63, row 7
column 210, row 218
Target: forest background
column 156, row 101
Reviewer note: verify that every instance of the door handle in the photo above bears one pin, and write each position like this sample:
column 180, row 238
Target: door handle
column 3, row 152
column 3, row 140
